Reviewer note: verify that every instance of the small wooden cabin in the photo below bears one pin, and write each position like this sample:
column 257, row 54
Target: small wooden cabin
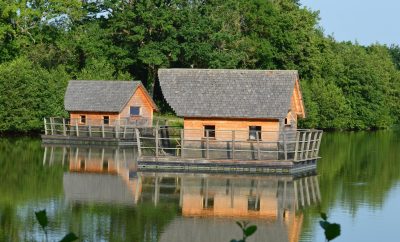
column 251, row 102
column 109, row 103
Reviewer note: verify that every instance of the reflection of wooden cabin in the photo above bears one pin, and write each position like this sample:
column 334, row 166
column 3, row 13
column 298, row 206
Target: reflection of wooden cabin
column 247, row 101
column 109, row 103
column 102, row 175
column 211, row 205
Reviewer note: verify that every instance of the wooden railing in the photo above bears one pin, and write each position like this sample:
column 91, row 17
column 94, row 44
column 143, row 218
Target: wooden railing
column 296, row 145
column 96, row 128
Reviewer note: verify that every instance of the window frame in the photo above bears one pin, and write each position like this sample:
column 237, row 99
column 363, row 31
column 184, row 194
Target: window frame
column 108, row 120
column 211, row 132
column 255, row 130
column 82, row 119
column 139, row 111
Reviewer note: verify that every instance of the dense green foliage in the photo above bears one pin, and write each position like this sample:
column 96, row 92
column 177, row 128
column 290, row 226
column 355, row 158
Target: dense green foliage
column 45, row 43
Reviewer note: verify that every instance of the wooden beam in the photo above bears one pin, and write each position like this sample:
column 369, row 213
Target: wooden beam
column 284, row 144
column 207, row 145
column 64, row 128
column 297, row 146
column 157, row 141
column 137, row 133
column 45, row 126
column 233, row 144
column 182, row 142
column 258, row 146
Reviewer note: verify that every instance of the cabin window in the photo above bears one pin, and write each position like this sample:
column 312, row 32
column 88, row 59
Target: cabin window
column 83, row 164
column 105, row 165
column 287, row 121
column 254, row 132
column 211, row 131
column 83, row 119
column 135, row 111
column 208, row 202
column 253, row 203
column 106, row 119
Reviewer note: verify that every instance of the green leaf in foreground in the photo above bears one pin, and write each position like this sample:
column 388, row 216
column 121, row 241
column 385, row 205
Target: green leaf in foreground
column 69, row 238
column 332, row 231
column 41, row 217
column 250, row 230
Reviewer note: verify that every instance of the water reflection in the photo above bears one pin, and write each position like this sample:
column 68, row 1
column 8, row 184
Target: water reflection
column 209, row 204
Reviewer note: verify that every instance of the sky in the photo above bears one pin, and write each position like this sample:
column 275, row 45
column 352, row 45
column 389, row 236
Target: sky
column 364, row 21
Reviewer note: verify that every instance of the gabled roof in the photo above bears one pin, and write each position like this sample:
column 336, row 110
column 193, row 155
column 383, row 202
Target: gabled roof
column 228, row 93
column 101, row 96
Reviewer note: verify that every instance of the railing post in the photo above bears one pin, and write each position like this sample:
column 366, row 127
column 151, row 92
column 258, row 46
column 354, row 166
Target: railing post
column 51, row 126
column 308, row 144
column 76, row 127
column 319, row 144
column 102, row 130
column 157, row 141
column 137, row 133
column 45, row 126
column 207, row 144
column 233, row 144
column 314, row 142
column 116, row 131
column 303, row 140
column 297, row 146
column 64, row 128
column 284, row 144
column 90, row 128
column 258, row 146
column 125, row 131
column 182, row 142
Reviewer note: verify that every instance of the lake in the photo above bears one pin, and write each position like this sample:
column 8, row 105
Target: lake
column 97, row 193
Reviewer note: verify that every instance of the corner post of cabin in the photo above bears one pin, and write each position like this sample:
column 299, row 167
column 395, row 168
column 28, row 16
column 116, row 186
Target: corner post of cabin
column 45, row 126
column 182, row 142
column 64, row 128
column 157, row 141
column 139, row 146
column 207, row 144
column 233, row 144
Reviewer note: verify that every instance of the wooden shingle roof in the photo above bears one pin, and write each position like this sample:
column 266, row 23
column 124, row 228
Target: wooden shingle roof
column 100, row 96
column 228, row 93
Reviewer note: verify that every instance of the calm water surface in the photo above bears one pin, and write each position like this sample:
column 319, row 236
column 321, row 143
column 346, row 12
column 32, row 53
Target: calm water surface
column 98, row 194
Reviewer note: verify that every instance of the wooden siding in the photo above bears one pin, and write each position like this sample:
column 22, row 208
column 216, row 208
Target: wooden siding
column 95, row 117
column 194, row 128
column 140, row 99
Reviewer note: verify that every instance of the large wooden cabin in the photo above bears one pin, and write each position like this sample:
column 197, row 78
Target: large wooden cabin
column 255, row 103
column 109, row 103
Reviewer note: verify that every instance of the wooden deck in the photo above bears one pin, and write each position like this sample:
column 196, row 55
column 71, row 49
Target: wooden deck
column 177, row 164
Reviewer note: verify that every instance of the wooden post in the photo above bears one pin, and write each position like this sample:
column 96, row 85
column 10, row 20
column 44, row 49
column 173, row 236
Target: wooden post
column 76, row 127
column 297, row 145
column 207, row 145
column 116, row 131
column 137, row 133
column 125, row 131
column 308, row 144
column 314, row 142
column 102, row 130
column 303, row 141
column 64, row 128
column 258, row 146
column 318, row 144
column 90, row 129
column 182, row 142
column 233, row 144
column 157, row 141
column 284, row 144
column 45, row 126
column 51, row 126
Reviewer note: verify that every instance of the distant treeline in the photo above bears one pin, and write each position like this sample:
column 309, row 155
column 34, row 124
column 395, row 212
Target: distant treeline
column 43, row 44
